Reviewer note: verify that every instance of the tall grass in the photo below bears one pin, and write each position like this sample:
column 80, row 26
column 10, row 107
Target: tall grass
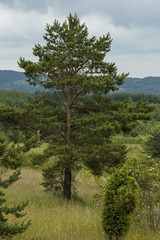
column 54, row 219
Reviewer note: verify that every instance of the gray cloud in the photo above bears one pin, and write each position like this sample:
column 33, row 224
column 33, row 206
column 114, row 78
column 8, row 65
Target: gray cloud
column 126, row 13
column 134, row 27
column 27, row 5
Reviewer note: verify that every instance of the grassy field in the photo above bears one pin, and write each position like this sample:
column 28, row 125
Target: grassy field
column 54, row 219
column 51, row 217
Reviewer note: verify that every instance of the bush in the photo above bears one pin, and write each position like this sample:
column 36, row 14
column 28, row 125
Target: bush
column 121, row 197
column 146, row 172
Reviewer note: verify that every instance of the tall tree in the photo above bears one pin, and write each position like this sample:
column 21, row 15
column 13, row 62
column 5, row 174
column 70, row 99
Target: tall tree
column 81, row 123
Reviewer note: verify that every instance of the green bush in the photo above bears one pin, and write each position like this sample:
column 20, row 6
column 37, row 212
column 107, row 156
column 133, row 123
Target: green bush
column 152, row 146
column 146, row 172
column 121, row 197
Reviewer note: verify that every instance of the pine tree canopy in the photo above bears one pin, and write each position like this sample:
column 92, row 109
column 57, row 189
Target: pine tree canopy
column 78, row 126
column 72, row 60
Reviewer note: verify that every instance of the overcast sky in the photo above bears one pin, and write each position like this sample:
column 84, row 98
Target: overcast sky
column 134, row 26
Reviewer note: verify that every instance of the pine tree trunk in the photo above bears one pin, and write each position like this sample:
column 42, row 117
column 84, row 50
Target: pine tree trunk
column 67, row 173
column 67, row 183
column 110, row 237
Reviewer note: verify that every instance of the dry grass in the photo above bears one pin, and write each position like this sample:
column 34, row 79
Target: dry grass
column 54, row 219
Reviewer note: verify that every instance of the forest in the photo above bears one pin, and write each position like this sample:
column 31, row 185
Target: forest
column 80, row 159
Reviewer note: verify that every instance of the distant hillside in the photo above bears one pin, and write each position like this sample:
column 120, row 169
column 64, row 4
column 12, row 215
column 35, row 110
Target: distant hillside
column 13, row 80
column 147, row 85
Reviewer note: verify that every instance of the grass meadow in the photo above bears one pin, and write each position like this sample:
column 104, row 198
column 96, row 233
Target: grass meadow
column 54, row 219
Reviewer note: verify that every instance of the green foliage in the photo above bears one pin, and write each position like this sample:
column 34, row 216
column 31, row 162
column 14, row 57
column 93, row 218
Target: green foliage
column 88, row 134
column 146, row 172
column 80, row 123
column 53, row 176
column 11, row 153
column 152, row 146
column 73, row 64
column 121, row 197
column 136, row 97
column 15, row 98
column 71, row 58
column 144, row 128
column 8, row 229
column 156, row 113
column 11, row 157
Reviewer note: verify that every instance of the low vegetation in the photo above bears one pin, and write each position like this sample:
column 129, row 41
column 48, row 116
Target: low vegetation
column 54, row 218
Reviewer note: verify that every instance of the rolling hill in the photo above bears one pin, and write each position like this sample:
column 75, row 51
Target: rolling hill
column 147, row 85
column 14, row 80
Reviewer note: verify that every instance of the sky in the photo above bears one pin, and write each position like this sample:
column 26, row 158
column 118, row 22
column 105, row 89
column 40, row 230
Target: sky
column 134, row 26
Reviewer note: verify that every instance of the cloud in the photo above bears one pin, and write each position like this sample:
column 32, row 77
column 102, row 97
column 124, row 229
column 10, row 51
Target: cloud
column 133, row 25
column 125, row 40
column 140, row 66
column 27, row 5
column 123, row 13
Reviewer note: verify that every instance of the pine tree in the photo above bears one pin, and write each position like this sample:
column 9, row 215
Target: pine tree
column 152, row 146
column 8, row 229
column 79, row 126
column 10, row 158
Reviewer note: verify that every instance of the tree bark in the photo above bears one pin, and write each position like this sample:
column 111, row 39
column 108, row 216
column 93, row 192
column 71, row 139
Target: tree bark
column 68, row 172
column 67, row 183
column 110, row 237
